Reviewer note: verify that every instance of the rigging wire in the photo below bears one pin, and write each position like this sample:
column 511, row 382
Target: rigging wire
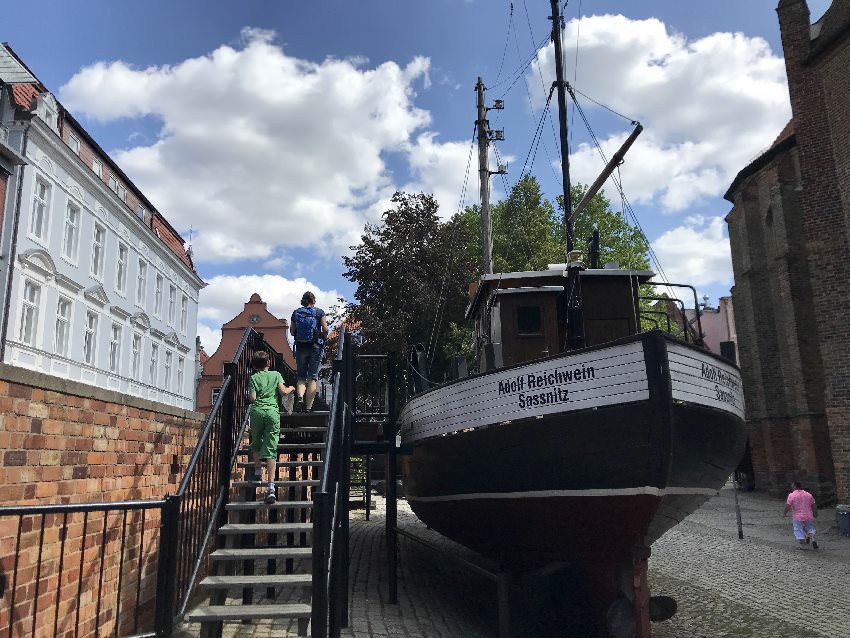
column 507, row 39
column 619, row 185
column 531, row 105
column 441, row 302
column 518, row 72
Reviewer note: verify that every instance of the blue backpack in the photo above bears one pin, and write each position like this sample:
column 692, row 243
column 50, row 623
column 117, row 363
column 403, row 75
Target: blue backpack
column 306, row 325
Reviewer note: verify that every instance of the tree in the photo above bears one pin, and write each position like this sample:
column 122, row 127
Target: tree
column 411, row 278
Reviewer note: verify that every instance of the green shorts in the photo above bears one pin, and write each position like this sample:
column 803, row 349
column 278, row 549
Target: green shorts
column 265, row 432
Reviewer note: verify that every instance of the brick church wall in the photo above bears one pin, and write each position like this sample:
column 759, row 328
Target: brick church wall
column 66, row 442
column 789, row 230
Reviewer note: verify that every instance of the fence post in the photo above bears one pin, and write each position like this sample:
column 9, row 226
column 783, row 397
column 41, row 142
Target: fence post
column 390, row 481
column 165, row 580
column 229, row 426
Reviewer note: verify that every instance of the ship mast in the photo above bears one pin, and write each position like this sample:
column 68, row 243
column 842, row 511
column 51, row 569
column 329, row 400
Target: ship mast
column 574, row 315
column 562, row 118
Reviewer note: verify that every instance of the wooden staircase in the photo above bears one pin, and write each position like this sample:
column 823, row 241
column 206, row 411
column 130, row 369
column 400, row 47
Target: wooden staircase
column 265, row 551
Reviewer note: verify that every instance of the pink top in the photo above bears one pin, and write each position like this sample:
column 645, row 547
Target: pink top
column 802, row 504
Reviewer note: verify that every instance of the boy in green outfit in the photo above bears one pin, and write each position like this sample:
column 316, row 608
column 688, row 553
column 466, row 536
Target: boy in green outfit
column 265, row 419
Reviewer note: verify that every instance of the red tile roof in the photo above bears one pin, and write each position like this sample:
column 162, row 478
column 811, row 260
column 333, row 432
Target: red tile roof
column 24, row 95
column 787, row 132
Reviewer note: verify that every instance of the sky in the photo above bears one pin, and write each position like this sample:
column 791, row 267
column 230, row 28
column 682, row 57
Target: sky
column 269, row 133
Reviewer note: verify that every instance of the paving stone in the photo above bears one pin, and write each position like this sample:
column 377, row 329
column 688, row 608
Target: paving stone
column 761, row 587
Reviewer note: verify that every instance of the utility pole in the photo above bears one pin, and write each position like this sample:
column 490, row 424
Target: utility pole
column 562, row 117
column 484, row 179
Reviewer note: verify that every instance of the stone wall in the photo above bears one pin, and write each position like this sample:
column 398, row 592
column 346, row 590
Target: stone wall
column 66, row 442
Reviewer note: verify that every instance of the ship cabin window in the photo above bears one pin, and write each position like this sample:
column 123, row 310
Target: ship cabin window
column 528, row 320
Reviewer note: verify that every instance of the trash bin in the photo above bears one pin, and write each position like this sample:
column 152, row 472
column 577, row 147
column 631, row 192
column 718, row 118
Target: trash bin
column 842, row 513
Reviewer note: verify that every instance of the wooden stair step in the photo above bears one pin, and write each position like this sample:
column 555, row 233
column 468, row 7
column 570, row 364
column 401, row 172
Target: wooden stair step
column 239, row 506
column 262, row 553
column 292, row 447
column 248, row 612
column 304, row 429
column 259, row 484
column 264, row 580
column 244, row 465
column 266, row 528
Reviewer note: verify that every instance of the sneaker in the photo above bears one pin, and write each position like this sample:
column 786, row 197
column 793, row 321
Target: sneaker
column 271, row 496
column 814, row 544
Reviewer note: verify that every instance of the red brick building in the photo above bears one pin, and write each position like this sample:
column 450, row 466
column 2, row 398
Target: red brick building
column 255, row 314
column 790, row 235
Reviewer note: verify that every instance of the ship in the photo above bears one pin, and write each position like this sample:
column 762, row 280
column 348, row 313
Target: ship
column 581, row 437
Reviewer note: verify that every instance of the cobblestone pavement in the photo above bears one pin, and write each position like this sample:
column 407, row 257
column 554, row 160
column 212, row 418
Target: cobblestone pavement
column 761, row 587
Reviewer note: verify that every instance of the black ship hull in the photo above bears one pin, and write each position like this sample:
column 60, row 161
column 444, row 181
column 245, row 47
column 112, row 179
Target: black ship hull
column 624, row 451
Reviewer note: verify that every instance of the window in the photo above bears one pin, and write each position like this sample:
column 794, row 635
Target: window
column 40, row 209
column 181, row 364
column 74, row 143
column 528, row 320
column 63, row 326
column 157, row 302
column 98, row 242
column 115, row 349
column 121, row 275
column 71, row 238
column 154, row 363
column 97, row 167
column 215, row 393
column 122, row 192
column 137, row 355
column 167, row 381
column 29, row 312
column 142, row 283
column 140, row 211
column 184, row 313
column 113, row 183
column 90, row 339
column 172, row 304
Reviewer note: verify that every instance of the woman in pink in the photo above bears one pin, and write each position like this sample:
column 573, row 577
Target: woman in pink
column 802, row 504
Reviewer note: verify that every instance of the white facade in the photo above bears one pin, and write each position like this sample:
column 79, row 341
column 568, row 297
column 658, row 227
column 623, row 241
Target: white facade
column 96, row 296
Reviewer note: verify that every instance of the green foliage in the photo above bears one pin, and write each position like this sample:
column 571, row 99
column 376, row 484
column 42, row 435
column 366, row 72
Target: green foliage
column 413, row 271
column 403, row 267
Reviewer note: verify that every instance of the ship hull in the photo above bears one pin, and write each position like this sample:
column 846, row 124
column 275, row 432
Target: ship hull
column 618, row 457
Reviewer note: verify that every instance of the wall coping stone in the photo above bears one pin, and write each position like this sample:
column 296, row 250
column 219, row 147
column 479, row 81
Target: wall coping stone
column 35, row 379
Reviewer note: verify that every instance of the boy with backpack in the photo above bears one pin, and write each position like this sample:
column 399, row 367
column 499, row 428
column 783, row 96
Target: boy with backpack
column 263, row 393
column 309, row 327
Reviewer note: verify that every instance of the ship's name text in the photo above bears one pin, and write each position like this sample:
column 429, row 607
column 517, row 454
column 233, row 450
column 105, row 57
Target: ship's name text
column 528, row 386
column 539, row 399
column 720, row 377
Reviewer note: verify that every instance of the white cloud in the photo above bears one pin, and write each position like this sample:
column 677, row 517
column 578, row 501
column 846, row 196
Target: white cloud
column 697, row 252
column 258, row 149
column 709, row 105
column 225, row 297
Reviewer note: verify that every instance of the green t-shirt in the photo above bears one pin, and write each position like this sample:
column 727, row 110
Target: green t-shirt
column 265, row 383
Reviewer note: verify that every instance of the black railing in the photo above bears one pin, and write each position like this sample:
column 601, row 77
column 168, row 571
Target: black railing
column 330, row 506
column 87, row 569
column 192, row 516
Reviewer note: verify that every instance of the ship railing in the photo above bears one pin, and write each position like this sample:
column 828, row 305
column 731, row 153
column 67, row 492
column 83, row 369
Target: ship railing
column 126, row 568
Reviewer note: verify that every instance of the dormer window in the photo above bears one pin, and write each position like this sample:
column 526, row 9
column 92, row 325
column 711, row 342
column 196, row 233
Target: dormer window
column 97, row 167
column 74, row 143
column 140, row 211
column 122, row 192
column 113, row 184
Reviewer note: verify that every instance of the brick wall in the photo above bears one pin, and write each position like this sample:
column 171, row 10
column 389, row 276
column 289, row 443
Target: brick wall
column 822, row 121
column 790, row 235
column 65, row 442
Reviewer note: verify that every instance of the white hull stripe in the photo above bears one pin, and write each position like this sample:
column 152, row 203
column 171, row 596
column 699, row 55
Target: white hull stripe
column 625, row 491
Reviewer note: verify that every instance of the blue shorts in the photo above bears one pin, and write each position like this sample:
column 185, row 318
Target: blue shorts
column 308, row 358
column 803, row 529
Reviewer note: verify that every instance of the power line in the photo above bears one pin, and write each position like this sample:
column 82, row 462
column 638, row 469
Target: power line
column 507, row 38
column 434, row 337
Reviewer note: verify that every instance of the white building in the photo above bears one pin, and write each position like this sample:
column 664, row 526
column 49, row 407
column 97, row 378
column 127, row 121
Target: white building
column 98, row 287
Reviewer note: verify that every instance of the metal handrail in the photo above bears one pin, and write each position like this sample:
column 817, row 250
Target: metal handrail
column 330, row 534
